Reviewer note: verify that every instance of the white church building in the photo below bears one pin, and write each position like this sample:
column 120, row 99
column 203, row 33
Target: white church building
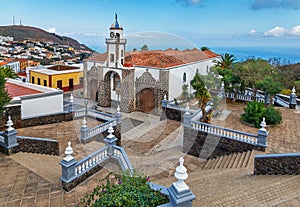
column 138, row 80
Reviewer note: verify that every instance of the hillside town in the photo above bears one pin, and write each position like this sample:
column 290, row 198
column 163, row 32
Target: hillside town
column 161, row 128
column 18, row 55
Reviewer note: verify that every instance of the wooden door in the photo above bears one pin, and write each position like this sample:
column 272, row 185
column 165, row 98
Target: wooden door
column 147, row 100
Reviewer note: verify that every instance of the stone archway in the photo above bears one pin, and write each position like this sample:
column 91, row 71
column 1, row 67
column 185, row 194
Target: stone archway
column 147, row 103
column 110, row 88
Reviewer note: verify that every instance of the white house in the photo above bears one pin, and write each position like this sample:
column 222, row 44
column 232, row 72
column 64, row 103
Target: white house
column 35, row 100
column 139, row 80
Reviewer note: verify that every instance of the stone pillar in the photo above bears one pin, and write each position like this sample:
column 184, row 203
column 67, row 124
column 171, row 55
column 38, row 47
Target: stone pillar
column 83, row 130
column 71, row 102
column 9, row 138
column 68, row 165
column 127, row 96
column 222, row 90
column 110, row 140
column 180, row 194
column 118, row 114
column 186, row 117
column 293, row 99
column 262, row 134
column 267, row 99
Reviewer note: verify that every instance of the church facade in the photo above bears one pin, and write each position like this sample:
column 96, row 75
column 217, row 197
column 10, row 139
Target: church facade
column 139, row 80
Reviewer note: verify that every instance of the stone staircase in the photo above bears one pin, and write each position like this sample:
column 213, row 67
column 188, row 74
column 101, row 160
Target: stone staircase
column 46, row 166
column 235, row 187
column 235, row 160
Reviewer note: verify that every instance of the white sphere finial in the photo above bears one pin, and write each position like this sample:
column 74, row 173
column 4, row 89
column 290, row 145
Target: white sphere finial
column 71, row 98
column 187, row 109
column 165, row 97
column 293, row 90
column 69, row 152
column 110, row 131
column 84, row 122
column 9, row 124
column 181, row 175
column 118, row 109
column 263, row 125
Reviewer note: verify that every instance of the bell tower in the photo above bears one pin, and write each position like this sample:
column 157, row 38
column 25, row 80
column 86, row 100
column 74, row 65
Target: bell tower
column 115, row 45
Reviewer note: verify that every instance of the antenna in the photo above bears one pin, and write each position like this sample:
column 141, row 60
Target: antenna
column 13, row 19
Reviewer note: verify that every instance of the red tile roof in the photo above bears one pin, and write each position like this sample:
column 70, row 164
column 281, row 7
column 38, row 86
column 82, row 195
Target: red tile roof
column 15, row 90
column 160, row 58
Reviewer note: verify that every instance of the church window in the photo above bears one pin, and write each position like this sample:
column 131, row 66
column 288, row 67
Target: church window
column 207, row 69
column 184, row 77
column 39, row 81
column 122, row 61
column 112, row 58
column 32, row 79
column 122, row 53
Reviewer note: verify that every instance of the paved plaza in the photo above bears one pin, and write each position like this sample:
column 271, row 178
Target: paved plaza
column 154, row 148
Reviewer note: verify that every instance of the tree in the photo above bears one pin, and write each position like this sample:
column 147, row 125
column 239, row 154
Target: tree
column 7, row 72
column 204, row 48
column 252, row 71
column 227, row 60
column 144, row 48
column 201, row 94
column 269, row 86
column 184, row 93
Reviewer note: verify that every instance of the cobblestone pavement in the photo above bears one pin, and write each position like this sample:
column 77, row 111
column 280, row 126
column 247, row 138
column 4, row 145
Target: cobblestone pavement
column 21, row 186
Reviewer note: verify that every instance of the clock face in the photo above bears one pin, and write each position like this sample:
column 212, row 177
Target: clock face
column 112, row 34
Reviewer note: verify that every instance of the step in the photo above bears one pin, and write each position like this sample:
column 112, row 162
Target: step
column 240, row 163
column 230, row 164
column 247, row 158
column 208, row 164
column 237, row 160
column 220, row 161
column 224, row 162
column 215, row 161
column 228, row 161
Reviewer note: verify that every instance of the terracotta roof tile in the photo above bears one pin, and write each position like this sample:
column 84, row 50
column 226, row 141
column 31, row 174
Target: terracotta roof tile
column 15, row 90
column 160, row 58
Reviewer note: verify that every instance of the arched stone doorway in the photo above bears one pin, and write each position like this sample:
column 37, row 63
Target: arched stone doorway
column 147, row 100
column 111, row 88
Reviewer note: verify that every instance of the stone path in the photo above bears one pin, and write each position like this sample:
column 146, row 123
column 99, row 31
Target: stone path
column 25, row 185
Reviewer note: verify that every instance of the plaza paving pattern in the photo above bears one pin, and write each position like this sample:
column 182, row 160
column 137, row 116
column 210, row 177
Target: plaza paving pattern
column 32, row 180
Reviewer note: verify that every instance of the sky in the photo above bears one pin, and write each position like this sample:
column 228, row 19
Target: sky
column 211, row 23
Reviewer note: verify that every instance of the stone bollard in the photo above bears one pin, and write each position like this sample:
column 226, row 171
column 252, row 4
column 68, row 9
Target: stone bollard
column 110, row 140
column 164, row 102
column 180, row 194
column 262, row 134
column 83, row 130
column 71, row 102
column 9, row 138
column 68, row 165
column 293, row 99
column 118, row 114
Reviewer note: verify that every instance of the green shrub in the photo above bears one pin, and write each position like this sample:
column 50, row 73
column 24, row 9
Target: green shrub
column 254, row 112
column 272, row 115
column 124, row 191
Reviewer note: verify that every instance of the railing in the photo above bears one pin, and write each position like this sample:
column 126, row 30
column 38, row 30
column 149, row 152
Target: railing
column 1, row 137
column 91, row 161
column 120, row 154
column 99, row 129
column 225, row 132
column 281, row 102
column 93, row 113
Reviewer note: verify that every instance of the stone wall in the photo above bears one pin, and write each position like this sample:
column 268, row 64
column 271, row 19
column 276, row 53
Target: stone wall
column 277, row 164
column 38, row 145
column 207, row 146
column 172, row 114
column 47, row 119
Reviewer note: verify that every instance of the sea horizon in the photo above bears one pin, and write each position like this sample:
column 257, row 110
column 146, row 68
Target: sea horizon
column 288, row 54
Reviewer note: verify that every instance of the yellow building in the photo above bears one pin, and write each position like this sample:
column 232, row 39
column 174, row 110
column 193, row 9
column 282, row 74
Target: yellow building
column 64, row 77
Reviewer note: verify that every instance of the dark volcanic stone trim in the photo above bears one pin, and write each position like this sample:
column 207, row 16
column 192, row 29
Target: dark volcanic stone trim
column 277, row 164
column 38, row 145
column 172, row 114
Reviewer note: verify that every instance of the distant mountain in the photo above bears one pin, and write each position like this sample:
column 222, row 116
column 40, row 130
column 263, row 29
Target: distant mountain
column 21, row 33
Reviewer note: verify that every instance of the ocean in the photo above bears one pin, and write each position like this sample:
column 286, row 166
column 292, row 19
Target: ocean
column 286, row 54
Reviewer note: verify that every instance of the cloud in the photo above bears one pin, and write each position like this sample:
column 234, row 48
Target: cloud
column 276, row 32
column 271, row 4
column 187, row 3
column 281, row 31
column 252, row 32
column 51, row 30
column 295, row 31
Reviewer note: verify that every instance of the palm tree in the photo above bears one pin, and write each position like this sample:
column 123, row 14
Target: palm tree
column 201, row 94
column 226, row 61
column 7, row 72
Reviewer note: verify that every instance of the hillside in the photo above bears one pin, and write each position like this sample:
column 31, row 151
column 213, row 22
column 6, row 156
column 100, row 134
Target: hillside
column 20, row 33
